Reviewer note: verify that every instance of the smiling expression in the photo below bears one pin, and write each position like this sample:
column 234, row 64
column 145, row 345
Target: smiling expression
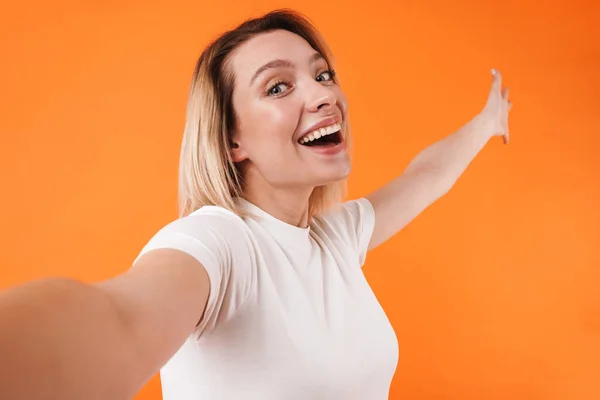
column 290, row 113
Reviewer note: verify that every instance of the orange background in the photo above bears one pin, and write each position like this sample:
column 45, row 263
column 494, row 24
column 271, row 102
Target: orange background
column 493, row 291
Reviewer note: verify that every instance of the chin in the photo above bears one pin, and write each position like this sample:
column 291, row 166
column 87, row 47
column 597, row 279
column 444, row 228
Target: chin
column 335, row 176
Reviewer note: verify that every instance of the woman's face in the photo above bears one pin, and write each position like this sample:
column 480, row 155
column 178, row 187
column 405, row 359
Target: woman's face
column 284, row 96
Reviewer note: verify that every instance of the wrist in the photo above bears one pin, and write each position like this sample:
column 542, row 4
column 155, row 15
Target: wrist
column 482, row 126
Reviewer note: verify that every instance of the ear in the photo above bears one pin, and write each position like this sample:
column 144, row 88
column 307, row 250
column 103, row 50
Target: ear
column 238, row 153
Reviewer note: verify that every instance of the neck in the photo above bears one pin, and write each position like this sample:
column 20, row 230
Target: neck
column 287, row 205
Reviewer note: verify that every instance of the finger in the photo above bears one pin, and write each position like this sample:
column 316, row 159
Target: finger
column 496, row 79
column 505, row 93
column 510, row 104
column 506, row 130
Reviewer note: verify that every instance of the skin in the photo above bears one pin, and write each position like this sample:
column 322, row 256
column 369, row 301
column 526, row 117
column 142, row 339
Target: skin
column 131, row 325
column 274, row 110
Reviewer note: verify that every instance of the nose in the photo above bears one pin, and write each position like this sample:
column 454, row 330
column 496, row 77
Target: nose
column 320, row 97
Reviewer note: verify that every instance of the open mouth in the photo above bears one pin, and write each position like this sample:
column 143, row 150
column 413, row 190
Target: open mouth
column 332, row 139
column 329, row 136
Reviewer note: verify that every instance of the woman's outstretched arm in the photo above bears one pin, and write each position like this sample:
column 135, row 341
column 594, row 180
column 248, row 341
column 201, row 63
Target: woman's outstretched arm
column 64, row 339
column 434, row 171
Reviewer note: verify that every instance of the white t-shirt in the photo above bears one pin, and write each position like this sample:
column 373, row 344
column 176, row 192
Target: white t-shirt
column 290, row 315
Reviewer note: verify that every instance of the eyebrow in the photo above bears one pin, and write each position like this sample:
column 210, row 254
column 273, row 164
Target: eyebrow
column 278, row 63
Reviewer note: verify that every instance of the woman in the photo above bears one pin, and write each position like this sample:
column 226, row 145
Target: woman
column 256, row 292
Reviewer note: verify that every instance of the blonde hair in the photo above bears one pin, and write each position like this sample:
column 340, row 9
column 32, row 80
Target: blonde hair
column 207, row 173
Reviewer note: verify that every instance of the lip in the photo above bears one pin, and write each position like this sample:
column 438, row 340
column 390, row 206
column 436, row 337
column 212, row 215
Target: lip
column 328, row 150
column 334, row 119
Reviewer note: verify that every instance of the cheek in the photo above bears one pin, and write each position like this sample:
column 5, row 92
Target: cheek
column 278, row 121
column 342, row 102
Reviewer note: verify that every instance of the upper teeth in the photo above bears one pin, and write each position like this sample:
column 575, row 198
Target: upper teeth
column 328, row 130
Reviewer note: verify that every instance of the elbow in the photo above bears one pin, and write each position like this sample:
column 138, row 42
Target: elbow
column 422, row 166
column 435, row 181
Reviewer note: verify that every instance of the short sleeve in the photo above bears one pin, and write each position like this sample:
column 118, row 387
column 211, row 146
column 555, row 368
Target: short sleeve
column 353, row 222
column 220, row 243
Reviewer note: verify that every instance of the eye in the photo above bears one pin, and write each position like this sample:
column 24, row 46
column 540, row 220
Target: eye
column 277, row 89
column 326, row 76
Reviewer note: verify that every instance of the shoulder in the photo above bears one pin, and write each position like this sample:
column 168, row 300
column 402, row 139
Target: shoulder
column 209, row 231
column 206, row 222
column 348, row 225
column 347, row 218
column 219, row 240
column 207, row 218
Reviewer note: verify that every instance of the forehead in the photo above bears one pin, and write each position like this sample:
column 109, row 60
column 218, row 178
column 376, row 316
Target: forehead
column 266, row 47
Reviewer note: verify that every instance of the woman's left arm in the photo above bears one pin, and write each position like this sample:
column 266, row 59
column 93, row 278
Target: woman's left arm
column 433, row 172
